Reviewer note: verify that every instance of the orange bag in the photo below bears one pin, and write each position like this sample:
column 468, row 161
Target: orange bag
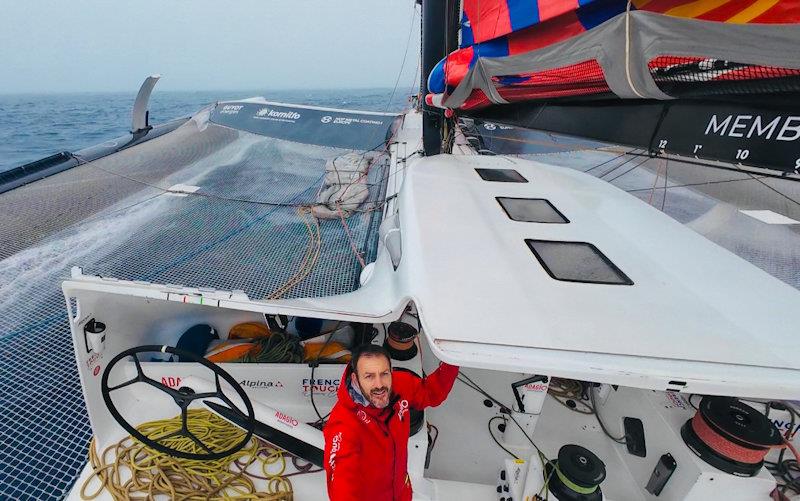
column 249, row 330
column 333, row 351
column 230, row 351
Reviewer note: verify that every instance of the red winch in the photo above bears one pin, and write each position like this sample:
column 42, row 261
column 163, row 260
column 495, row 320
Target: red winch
column 731, row 436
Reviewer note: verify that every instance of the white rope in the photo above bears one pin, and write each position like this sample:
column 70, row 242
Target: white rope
column 628, row 50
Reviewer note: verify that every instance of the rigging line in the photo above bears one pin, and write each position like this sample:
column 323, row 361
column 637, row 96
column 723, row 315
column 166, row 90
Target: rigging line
column 220, row 197
column 787, row 197
column 687, row 160
column 689, row 185
column 611, row 160
column 666, row 178
column 554, row 144
column 619, row 440
column 405, row 54
column 632, row 168
column 653, row 189
column 356, row 193
column 353, row 245
column 491, row 398
column 414, row 82
column 198, row 194
column 489, row 425
column 230, row 234
column 388, row 176
column 604, row 174
column 99, row 216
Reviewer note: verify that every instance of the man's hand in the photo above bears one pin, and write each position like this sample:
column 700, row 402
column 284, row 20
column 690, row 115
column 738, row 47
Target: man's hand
column 431, row 390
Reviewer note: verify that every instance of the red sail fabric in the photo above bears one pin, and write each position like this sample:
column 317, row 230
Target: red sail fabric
column 489, row 19
column 501, row 28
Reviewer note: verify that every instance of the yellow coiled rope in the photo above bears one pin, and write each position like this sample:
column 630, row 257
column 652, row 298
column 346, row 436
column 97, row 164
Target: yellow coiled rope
column 135, row 471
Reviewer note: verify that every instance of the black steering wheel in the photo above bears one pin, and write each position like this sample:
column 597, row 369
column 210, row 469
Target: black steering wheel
column 183, row 397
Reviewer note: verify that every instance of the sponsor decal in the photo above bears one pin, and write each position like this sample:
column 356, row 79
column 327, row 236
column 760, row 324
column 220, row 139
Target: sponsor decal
column 260, row 383
column 349, row 120
column 536, row 387
column 275, row 115
column 96, row 370
column 336, row 444
column 231, row 109
column 283, row 418
column 786, row 426
column 321, row 386
column 363, row 416
column 675, row 400
column 403, row 409
column 491, row 126
column 93, row 360
column 175, row 382
column 779, row 128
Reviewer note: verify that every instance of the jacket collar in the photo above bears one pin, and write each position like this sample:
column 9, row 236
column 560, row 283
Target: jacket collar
column 355, row 393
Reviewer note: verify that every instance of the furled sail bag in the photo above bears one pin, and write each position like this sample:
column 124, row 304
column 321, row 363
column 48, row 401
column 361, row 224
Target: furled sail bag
column 345, row 185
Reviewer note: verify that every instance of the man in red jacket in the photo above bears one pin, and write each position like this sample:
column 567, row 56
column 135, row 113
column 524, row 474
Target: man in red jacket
column 366, row 437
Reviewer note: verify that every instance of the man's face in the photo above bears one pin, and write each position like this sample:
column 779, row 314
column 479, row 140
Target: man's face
column 374, row 378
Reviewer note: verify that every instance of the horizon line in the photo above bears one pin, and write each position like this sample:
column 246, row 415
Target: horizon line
column 155, row 92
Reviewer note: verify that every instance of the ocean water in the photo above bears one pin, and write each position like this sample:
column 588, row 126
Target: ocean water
column 33, row 126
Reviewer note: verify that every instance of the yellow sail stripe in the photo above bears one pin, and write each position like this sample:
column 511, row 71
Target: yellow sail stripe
column 752, row 12
column 696, row 8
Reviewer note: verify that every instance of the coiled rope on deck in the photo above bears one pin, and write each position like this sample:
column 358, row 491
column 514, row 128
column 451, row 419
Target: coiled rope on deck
column 135, row 471
column 310, row 258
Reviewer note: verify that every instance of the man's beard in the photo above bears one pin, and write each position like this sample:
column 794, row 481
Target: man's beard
column 378, row 397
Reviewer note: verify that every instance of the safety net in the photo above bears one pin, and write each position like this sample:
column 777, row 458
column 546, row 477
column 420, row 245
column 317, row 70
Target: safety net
column 272, row 200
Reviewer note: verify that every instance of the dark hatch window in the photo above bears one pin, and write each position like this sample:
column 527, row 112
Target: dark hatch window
column 501, row 175
column 577, row 262
column 531, row 210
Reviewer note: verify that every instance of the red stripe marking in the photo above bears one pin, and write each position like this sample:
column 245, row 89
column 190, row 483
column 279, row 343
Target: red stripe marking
column 785, row 11
column 663, row 5
column 725, row 12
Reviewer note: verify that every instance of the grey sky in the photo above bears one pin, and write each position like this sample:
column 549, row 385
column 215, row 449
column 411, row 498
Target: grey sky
column 93, row 45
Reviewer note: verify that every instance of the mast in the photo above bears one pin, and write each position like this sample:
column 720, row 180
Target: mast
column 439, row 38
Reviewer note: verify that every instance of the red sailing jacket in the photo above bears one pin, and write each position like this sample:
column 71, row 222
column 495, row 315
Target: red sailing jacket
column 366, row 449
